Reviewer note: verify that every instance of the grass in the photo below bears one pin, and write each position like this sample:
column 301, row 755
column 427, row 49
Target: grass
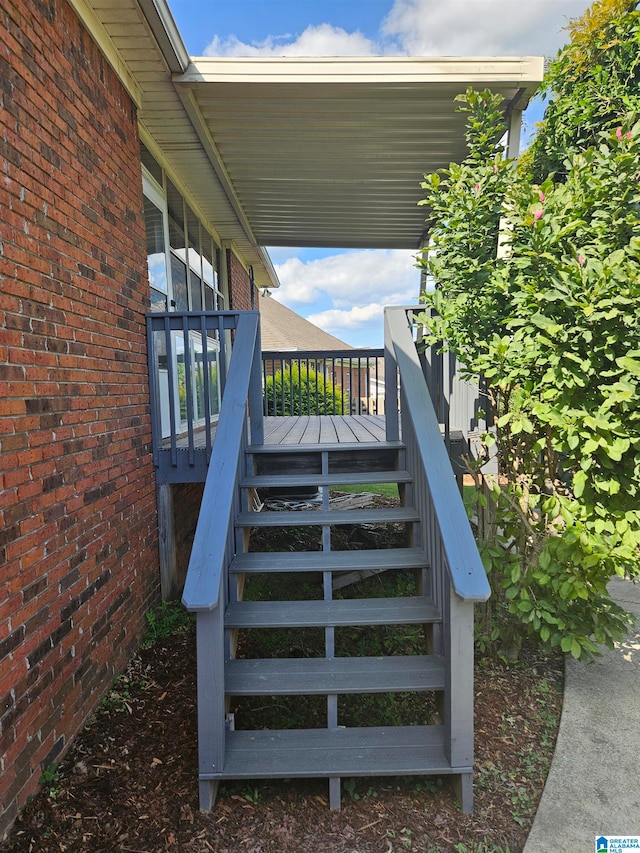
column 387, row 490
column 164, row 621
column 390, row 490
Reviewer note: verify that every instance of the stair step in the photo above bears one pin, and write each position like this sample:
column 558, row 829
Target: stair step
column 335, row 447
column 329, row 561
column 299, row 753
column 297, row 518
column 309, row 676
column 345, row 612
column 264, row 481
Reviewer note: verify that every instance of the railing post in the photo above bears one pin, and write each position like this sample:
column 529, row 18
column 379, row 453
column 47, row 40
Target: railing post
column 390, row 383
column 154, row 396
column 211, row 704
column 256, row 418
column 458, row 694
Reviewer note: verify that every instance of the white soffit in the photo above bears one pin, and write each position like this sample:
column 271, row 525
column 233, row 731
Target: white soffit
column 331, row 151
column 141, row 40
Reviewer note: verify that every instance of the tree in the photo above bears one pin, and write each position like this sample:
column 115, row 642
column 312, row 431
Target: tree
column 538, row 288
column 592, row 83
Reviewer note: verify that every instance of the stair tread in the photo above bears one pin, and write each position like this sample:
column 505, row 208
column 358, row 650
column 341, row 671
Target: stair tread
column 342, row 612
column 258, row 481
column 296, row 518
column 333, row 561
column 362, row 751
column 328, row 447
column 308, row 676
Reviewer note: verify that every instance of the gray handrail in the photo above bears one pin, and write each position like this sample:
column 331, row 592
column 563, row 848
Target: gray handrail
column 466, row 572
column 206, row 566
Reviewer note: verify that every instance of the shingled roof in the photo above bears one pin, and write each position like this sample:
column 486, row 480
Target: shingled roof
column 283, row 330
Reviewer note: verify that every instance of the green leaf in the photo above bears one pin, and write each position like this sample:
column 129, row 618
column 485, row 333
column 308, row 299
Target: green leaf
column 579, row 482
column 631, row 365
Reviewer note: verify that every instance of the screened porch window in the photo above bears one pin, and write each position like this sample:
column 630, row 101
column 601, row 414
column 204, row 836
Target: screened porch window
column 182, row 261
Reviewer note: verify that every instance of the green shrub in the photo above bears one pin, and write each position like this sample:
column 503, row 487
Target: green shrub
column 592, row 83
column 538, row 290
column 299, row 390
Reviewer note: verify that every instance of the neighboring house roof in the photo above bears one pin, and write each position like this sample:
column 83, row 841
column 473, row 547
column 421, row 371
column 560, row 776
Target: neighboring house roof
column 283, row 330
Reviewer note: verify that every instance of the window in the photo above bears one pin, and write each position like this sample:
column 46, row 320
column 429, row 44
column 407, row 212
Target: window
column 156, row 255
column 183, row 263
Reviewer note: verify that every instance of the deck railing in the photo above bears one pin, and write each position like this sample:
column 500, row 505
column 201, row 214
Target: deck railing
column 461, row 404
column 329, row 382
column 188, row 355
column 457, row 577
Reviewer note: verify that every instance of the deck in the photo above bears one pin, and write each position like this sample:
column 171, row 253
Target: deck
column 185, row 464
column 324, row 429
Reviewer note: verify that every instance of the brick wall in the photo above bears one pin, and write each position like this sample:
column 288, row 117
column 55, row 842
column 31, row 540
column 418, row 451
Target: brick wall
column 78, row 529
column 240, row 296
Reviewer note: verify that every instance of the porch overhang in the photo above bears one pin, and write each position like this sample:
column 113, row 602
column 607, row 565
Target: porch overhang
column 331, row 151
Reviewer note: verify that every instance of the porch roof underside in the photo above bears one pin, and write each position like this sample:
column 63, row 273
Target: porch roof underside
column 331, row 151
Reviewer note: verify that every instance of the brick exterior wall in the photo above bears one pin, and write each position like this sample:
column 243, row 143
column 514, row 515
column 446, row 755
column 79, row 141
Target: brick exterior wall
column 240, row 296
column 78, row 527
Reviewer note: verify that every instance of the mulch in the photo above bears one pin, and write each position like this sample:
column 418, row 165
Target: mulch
column 129, row 783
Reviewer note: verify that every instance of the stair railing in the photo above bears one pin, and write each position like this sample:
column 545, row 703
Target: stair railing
column 206, row 586
column 458, row 578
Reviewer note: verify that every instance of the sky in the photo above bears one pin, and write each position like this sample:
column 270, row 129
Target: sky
column 344, row 292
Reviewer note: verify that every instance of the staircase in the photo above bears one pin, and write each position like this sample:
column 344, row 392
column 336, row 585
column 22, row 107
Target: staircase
column 438, row 550
column 335, row 751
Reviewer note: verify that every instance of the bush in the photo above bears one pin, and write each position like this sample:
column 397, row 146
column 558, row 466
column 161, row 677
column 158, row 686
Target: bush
column 538, row 289
column 303, row 391
column 592, row 83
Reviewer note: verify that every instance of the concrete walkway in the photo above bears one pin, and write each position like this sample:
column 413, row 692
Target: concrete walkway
column 593, row 788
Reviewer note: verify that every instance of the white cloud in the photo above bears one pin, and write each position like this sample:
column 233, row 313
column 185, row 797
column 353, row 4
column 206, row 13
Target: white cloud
column 430, row 28
column 356, row 285
column 350, row 279
column 481, row 27
column 351, row 319
column 320, row 40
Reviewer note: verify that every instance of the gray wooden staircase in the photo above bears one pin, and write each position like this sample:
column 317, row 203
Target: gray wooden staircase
column 439, row 550
column 336, row 751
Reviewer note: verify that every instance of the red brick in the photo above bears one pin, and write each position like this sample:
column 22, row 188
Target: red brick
column 74, row 394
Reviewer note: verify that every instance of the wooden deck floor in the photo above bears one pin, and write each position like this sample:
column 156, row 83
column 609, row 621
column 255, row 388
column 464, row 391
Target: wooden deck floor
column 305, row 429
column 187, row 465
column 324, row 429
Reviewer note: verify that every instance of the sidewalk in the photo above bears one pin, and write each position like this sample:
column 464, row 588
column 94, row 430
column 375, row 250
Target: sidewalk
column 593, row 787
